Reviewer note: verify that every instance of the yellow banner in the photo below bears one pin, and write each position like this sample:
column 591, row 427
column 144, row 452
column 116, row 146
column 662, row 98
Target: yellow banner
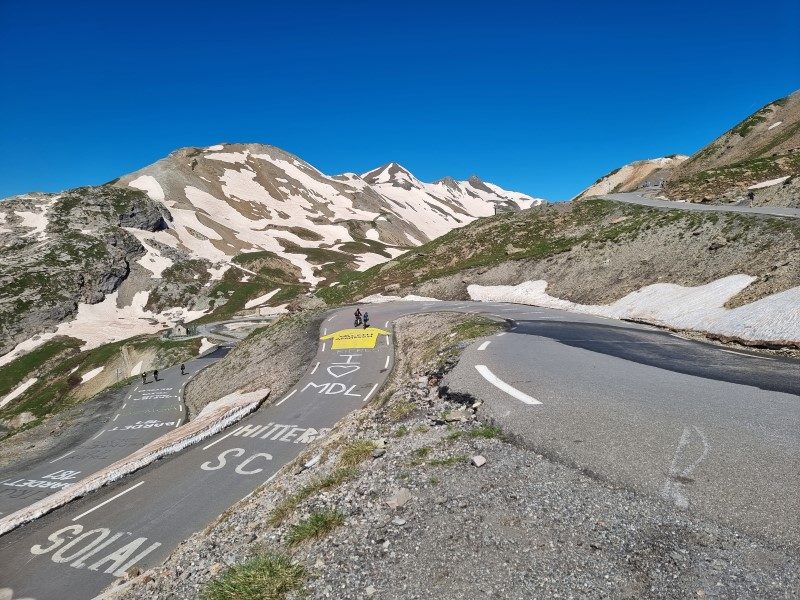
column 354, row 338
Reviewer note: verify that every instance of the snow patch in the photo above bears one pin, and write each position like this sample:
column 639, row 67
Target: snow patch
column 261, row 299
column 773, row 319
column 205, row 345
column 774, row 125
column 768, row 183
column 91, row 374
column 215, row 147
column 137, row 368
column 18, row 391
column 149, row 185
column 34, row 220
column 380, row 298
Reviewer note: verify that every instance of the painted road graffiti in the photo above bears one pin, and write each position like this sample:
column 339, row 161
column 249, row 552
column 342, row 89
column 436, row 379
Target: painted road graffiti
column 346, row 339
column 73, row 545
column 241, row 467
column 149, row 424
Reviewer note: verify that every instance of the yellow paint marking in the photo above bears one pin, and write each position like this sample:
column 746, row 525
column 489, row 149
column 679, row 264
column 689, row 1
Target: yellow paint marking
column 354, row 338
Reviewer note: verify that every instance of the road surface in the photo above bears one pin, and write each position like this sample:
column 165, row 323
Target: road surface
column 149, row 409
column 703, row 427
column 636, row 198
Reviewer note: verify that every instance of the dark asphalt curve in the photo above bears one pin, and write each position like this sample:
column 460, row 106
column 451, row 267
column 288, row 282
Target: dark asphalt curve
column 695, row 424
column 149, row 409
column 773, row 211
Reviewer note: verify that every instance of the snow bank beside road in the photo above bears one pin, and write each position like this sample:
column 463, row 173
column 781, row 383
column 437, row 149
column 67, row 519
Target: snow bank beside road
column 214, row 417
column 771, row 320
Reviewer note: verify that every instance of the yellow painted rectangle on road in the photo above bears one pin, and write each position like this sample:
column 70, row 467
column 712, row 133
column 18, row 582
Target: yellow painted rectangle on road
column 354, row 338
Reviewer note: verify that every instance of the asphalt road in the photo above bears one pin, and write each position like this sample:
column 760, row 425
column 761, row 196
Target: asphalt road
column 635, row 198
column 702, row 427
column 149, row 409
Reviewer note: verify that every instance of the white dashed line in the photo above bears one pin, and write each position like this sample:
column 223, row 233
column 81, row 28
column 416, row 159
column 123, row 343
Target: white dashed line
column 484, row 345
column 501, row 334
column 746, row 354
column 178, row 423
column 98, row 435
column 374, row 387
column 122, row 493
column 325, row 331
column 286, row 397
column 386, row 366
column 386, row 324
column 323, row 346
column 124, row 405
column 502, row 385
column 64, row 455
column 316, row 366
column 387, row 340
column 115, row 417
column 222, row 438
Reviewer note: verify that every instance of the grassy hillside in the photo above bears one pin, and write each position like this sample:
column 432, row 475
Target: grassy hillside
column 591, row 251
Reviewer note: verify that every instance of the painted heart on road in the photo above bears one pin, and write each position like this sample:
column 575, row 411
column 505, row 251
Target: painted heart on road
column 342, row 370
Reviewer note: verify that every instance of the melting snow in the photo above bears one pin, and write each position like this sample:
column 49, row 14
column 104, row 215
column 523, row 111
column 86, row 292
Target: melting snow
column 769, row 183
column 17, row 391
column 215, row 147
column 35, row 220
column 148, row 184
column 380, row 298
column 205, row 345
column 774, row 125
column 261, row 299
column 91, row 374
column 372, row 234
column 137, row 368
column 775, row 318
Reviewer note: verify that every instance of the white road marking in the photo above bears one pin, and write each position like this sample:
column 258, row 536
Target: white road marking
column 314, row 370
column 124, row 405
column 222, row 438
column 271, row 477
column 387, row 340
column 323, row 346
column 501, row 334
column 115, row 417
column 64, row 455
column 386, row 324
column 331, row 318
column 178, row 423
column 122, row 493
column 325, row 331
column 674, row 489
column 286, row 397
column 374, row 387
column 746, row 354
column 180, row 407
column 502, row 385
column 484, row 345
column 514, row 328
column 98, row 435
column 386, row 366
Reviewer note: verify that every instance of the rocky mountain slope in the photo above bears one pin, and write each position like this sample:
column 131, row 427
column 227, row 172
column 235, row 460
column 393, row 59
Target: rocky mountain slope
column 630, row 177
column 728, row 275
column 757, row 157
column 755, row 163
column 205, row 229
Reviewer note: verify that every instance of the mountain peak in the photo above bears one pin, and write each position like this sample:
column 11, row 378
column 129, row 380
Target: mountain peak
column 392, row 172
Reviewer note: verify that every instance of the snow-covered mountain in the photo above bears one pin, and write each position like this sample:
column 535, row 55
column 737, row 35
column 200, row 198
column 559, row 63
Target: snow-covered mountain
column 230, row 225
column 229, row 199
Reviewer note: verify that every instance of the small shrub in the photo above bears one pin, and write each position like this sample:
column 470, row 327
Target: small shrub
column 401, row 431
column 449, row 461
column 356, row 452
column 486, row 432
column 287, row 506
column 401, row 410
column 268, row 576
column 316, row 526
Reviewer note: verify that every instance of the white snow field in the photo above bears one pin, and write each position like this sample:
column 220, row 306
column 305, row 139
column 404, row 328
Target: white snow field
column 89, row 375
column 261, row 299
column 768, row 183
column 17, row 391
column 773, row 319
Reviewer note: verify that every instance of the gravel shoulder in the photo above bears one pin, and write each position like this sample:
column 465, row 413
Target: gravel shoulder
column 408, row 512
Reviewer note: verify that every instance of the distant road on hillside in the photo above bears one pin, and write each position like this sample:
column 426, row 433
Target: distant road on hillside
column 636, row 198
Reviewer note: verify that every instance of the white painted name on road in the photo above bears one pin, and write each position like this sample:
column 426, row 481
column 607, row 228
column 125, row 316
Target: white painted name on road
column 333, row 388
column 240, row 468
column 81, row 545
column 281, row 433
column 34, row 483
column 145, row 425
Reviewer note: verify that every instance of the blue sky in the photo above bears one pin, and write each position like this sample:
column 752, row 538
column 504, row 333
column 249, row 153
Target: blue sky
column 541, row 99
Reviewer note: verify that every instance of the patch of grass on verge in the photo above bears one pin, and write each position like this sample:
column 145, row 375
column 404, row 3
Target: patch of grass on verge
column 401, row 431
column 401, row 410
column 287, row 506
column 268, row 576
column 486, row 432
column 356, row 452
column 316, row 526
column 449, row 461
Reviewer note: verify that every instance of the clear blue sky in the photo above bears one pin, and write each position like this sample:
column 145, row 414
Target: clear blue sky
column 542, row 99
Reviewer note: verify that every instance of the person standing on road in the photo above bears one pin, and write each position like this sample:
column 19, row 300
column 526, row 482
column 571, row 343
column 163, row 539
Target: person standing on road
column 144, row 376
column 366, row 319
column 183, row 369
column 155, row 374
column 357, row 315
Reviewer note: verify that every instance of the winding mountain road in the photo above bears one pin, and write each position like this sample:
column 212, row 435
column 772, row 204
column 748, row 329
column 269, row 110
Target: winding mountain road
column 703, row 427
column 636, row 198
